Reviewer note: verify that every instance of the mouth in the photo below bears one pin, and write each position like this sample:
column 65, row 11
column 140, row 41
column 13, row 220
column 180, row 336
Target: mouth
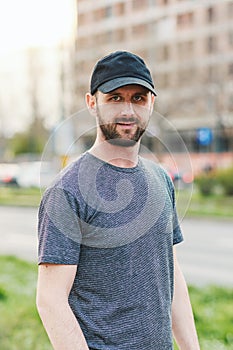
column 126, row 123
column 126, row 126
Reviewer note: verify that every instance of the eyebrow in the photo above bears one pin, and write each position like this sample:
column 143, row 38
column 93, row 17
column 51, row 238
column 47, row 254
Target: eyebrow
column 143, row 92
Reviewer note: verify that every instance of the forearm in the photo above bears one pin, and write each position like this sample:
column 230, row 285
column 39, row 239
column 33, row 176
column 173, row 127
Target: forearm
column 54, row 285
column 62, row 327
column 183, row 325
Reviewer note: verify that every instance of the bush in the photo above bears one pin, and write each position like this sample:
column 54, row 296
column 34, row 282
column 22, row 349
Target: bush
column 225, row 178
column 206, row 183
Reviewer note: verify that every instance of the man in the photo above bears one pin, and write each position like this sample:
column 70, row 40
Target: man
column 108, row 274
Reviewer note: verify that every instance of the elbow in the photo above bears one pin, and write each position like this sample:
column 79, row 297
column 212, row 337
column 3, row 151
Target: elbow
column 48, row 303
column 42, row 304
column 47, row 309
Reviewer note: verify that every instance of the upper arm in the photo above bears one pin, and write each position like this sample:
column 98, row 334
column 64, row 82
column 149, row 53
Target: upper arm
column 178, row 275
column 179, row 280
column 177, row 269
column 54, row 282
column 174, row 255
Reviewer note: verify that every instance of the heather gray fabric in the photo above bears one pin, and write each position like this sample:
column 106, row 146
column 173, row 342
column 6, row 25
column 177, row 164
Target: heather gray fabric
column 119, row 226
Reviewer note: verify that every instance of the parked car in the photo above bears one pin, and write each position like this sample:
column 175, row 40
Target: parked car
column 27, row 174
column 8, row 174
column 35, row 174
column 178, row 176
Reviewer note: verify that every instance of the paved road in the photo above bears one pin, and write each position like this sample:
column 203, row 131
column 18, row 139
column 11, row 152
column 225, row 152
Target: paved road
column 18, row 228
column 206, row 256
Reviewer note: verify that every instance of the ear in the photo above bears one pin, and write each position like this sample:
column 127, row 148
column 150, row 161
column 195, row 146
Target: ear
column 152, row 103
column 91, row 103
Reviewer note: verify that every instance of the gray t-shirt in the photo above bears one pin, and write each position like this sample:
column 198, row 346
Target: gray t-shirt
column 119, row 226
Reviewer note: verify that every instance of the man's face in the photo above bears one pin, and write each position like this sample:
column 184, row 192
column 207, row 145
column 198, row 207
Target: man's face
column 123, row 114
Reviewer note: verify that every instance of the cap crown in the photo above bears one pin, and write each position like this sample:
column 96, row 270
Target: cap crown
column 119, row 64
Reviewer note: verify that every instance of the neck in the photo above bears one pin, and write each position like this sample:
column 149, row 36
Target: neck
column 124, row 157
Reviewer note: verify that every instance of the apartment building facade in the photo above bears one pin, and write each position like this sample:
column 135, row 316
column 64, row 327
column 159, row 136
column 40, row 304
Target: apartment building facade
column 188, row 45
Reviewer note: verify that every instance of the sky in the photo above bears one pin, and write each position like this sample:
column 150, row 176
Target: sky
column 28, row 24
column 25, row 23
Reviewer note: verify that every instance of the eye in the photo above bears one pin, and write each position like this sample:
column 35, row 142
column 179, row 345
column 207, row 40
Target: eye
column 115, row 98
column 138, row 98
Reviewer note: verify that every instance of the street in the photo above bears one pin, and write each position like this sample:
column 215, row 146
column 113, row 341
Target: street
column 206, row 255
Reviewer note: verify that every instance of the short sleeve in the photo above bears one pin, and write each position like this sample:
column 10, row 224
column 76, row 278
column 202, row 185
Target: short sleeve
column 59, row 232
column 177, row 233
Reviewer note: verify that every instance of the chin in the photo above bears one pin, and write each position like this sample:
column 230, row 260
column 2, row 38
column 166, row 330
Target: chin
column 122, row 142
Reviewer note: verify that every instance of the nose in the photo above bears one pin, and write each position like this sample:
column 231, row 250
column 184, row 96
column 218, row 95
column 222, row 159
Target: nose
column 127, row 109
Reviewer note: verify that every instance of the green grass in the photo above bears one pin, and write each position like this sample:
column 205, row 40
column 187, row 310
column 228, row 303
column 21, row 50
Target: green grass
column 212, row 308
column 214, row 317
column 195, row 204
column 188, row 203
column 14, row 196
column 21, row 328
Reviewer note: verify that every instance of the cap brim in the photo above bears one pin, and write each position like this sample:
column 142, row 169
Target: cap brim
column 123, row 81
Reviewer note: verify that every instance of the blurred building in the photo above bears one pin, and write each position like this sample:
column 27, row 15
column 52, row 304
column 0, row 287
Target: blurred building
column 189, row 48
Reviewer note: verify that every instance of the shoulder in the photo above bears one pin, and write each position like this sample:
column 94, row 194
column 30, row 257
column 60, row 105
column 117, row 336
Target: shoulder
column 72, row 180
column 64, row 184
column 156, row 168
column 67, row 177
column 163, row 179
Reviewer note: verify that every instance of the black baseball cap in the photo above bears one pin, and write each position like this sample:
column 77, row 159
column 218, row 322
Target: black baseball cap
column 118, row 69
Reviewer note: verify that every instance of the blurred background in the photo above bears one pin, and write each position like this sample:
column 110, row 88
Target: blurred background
column 47, row 53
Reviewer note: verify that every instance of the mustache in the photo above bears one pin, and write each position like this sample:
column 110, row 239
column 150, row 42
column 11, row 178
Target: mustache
column 126, row 120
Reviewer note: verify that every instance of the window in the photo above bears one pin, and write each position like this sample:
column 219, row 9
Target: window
column 120, row 35
column 190, row 48
column 211, row 44
column 98, row 14
column 98, row 39
column 163, row 80
column 230, row 9
column 120, row 9
column 210, row 14
column 81, row 19
column 230, row 103
column 230, row 39
column 108, row 11
column 81, row 43
column 139, row 30
column 152, row 2
column 184, row 20
column 104, row 12
column 211, row 74
column 230, row 69
column 184, row 76
column 185, row 50
column 164, row 53
column 164, row 2
column 138, row 4
column 108, row 36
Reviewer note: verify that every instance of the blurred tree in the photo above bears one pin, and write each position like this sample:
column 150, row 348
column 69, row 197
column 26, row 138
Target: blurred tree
column 34, row 138
column 29, row 141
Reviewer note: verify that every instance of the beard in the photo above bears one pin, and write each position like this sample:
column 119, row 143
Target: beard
column 124, row 139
